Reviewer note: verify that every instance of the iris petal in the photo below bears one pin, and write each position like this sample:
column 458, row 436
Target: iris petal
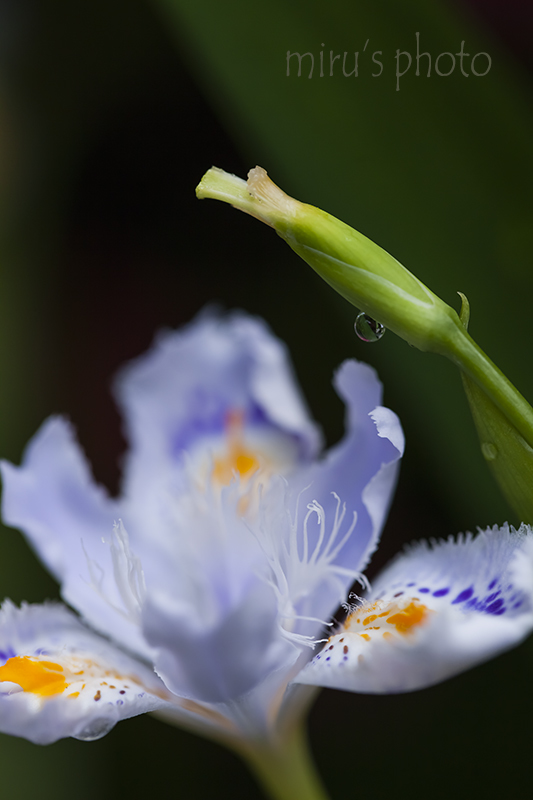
column 230, row 546
column 50, row 689
column 434, row 612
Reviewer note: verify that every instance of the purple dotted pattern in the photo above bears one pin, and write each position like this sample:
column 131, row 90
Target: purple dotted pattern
column 493, row 598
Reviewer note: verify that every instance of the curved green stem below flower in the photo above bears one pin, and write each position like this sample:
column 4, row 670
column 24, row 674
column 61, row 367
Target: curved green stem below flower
column 284, row 767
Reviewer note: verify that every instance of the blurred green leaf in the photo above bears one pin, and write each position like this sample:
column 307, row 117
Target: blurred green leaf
column 508, row 454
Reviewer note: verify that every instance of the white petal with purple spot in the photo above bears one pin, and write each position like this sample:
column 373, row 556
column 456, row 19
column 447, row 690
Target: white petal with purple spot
column 434, row 612
column 59, row 679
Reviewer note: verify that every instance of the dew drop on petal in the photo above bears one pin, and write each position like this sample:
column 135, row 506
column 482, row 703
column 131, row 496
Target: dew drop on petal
column 367, row 328
column 95, row 729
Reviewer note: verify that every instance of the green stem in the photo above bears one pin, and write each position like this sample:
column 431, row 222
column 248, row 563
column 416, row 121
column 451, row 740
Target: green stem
column 285, row 768
column 466, row 354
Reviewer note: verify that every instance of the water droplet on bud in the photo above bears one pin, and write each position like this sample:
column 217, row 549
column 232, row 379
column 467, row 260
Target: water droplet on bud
column 368, row 329
column 489, row 450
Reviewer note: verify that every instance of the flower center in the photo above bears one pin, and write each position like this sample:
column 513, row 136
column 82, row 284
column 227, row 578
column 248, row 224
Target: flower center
column 82, row 676
column 32, row 675
column 386, row 621
column 237, row 459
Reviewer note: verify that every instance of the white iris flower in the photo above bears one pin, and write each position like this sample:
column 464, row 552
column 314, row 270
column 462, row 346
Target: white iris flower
column 205, row 588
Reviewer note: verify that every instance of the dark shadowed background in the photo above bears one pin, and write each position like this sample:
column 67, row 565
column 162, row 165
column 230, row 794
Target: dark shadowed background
column 109, row 115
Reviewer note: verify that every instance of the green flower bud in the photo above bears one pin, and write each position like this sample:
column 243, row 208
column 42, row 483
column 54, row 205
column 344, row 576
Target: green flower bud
column 361, row 271
column 375, row 282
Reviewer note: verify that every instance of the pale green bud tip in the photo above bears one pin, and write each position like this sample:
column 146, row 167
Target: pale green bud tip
column 258, row 196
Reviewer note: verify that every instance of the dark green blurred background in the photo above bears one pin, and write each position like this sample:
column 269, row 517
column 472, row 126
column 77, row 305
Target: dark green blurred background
column 109, row 115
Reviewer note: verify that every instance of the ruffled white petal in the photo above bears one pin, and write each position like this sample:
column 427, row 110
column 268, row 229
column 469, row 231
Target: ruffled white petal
column 434, row 612
column 59, row 679
column 52, row 496
column 181, row 391
column 361, row 473
column 69, row 521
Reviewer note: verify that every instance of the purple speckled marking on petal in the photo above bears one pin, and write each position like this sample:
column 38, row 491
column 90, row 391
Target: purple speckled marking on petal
column 424, row 590
column 494, row 607
column 493, row 583
column 328, row 658
column 441, row 592
column 411, row 584
column 466, row 594
column 9, row 653
column 518, row 604
column 492, row 597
